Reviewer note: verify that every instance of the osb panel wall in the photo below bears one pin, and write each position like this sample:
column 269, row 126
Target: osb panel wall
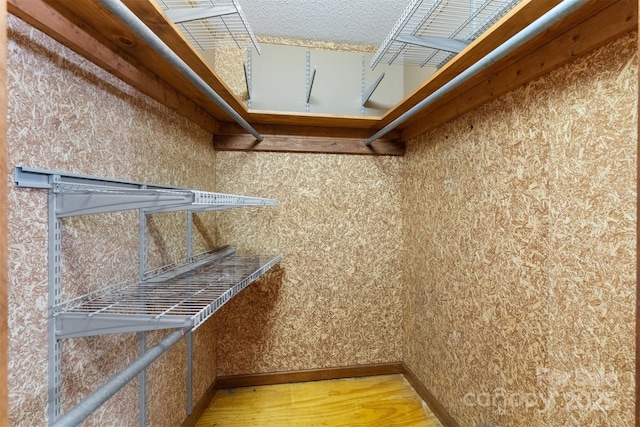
column 334, row 300
column 519, row 247
column 228, row 65
column 592, row 247
column 66, row 114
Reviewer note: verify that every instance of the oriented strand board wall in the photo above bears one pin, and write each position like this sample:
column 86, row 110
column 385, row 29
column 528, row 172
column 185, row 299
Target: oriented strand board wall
column 66, row 114
column 335, row 299
column 519, row 248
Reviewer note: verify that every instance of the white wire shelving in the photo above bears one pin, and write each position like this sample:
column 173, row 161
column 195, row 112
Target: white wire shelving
column 431, row 32
column 209, row 24
column 180, row 296
column 183, row 300
column 81, row 195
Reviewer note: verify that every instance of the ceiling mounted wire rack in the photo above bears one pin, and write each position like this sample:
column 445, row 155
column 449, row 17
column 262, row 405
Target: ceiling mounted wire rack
column 209, row 24
column 431, row 32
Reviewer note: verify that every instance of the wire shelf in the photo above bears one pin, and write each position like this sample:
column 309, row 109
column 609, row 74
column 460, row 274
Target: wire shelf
column 83, row 199
column 229, row 30
column 446, row 19
column 184, row 300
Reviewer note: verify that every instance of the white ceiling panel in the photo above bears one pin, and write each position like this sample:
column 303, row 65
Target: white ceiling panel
column 358, row 22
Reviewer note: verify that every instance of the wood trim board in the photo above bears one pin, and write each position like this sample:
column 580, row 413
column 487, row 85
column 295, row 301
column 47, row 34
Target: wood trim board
column 4, row 338
column 307, row 144
column 253, row 380
column 436, row 407
column 637, row 365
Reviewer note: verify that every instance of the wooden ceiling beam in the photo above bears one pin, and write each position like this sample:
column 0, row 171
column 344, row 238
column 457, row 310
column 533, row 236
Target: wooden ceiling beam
column 308, row 144
column 296, row 138
column 313, row 120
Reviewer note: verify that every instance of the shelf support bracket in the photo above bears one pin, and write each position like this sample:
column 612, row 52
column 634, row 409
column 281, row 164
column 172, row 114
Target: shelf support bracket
column 187, row 14
column 309, row 80
column 246, row 81
column 439, row 43
column 54, row 264
column 310, row 87
column 372, row 88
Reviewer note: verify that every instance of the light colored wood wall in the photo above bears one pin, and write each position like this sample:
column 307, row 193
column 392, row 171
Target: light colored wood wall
column 520, row 249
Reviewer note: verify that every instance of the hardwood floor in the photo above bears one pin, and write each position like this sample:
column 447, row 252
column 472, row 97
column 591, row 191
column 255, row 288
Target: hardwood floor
column 384, row 401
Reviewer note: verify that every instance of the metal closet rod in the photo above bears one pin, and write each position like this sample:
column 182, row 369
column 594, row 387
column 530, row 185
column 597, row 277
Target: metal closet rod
column 121, row 11
column 86, row 407
column 541, row 24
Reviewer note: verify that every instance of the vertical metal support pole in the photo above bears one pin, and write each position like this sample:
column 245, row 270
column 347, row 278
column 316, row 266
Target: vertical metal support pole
column 308, row 79
column 142, row 336
column 142, row 243
column 54, row 267
column 190, row 236
column 249, row 76
column 362, row 88
column 142, row 381
column 189, row 336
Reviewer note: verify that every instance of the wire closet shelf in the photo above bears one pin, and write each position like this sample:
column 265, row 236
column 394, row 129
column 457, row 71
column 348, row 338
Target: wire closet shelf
column 443, row 21
column 180, row 295
column 183, row 300
column 209, row 24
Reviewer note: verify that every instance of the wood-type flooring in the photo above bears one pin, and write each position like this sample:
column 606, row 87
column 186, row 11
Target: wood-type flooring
column 384, row 401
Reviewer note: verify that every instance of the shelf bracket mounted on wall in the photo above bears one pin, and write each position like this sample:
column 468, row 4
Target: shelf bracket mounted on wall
column 188, row 14
column 438, row 43
column 310, row 78
column 366, row 95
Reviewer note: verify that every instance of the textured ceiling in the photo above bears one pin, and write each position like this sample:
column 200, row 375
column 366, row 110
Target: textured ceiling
column 345, row 21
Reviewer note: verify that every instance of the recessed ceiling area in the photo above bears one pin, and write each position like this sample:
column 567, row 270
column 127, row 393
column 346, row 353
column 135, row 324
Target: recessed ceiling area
column 422, row 33
column 140, row 65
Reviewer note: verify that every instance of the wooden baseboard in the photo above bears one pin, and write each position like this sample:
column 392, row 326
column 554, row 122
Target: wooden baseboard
column 254, row 380
column 433, row 403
